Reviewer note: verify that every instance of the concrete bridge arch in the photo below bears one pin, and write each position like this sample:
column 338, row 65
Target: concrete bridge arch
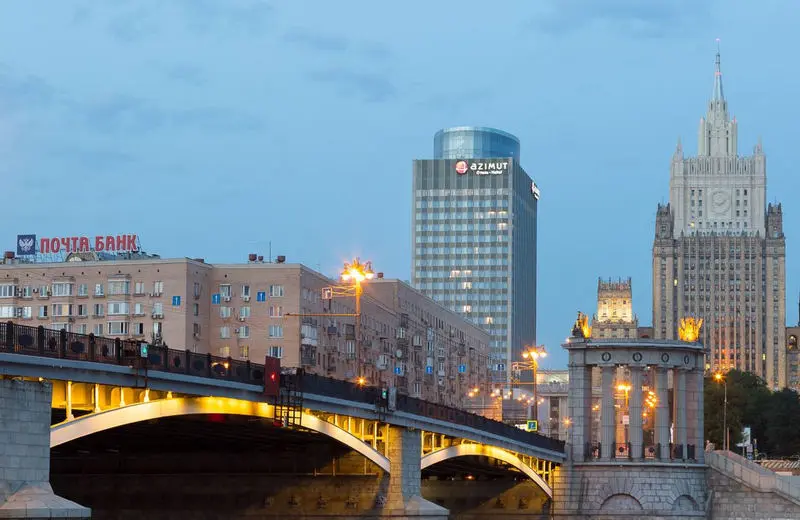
column 482, row 450
column 162, row 408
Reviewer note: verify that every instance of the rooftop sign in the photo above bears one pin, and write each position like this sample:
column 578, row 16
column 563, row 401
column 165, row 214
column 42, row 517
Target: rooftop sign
column 27, row 245
column 482, row 167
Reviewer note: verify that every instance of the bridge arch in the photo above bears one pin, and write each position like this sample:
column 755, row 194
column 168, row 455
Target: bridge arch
column 96, row 422
column 465, row 450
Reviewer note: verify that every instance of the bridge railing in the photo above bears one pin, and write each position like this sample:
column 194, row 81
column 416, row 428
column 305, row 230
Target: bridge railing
column 39, row 341
column 314, row 384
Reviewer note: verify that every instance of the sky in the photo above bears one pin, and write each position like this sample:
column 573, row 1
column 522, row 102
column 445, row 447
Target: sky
column 216, row 128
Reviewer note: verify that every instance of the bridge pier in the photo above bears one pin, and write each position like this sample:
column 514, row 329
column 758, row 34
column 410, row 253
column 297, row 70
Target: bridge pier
column 25, row 490
column 403, row 498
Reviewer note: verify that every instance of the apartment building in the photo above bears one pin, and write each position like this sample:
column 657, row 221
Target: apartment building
column 253, row 310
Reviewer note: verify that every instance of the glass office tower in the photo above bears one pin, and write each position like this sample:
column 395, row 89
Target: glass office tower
column 474, row 236
column 474, row 141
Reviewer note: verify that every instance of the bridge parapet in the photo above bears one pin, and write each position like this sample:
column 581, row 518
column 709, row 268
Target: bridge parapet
column 170, row 369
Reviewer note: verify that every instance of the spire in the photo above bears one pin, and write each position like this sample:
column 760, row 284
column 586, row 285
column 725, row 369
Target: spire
column 718, row 94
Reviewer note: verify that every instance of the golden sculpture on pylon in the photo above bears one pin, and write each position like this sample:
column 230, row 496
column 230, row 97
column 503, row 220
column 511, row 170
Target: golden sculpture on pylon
column 689, row 329
column 581, row 329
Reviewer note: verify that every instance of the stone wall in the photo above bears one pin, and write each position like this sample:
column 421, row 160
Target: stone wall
column 630, row 491
column 25, row 490
column 734, row 500
column 743, row 489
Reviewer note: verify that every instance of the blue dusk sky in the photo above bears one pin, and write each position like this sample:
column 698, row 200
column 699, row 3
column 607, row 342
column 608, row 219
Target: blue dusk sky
column 213, row 127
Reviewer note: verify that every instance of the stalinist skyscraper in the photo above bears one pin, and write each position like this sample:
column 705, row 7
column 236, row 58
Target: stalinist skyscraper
column 719, row 251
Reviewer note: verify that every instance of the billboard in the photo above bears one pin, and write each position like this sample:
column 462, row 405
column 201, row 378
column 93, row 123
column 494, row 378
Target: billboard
column 27, row 245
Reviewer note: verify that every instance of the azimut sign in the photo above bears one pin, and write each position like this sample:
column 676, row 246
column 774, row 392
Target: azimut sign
column 482, row 167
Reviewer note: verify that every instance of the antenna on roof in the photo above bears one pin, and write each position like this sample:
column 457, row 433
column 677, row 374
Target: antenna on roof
column 270, row 252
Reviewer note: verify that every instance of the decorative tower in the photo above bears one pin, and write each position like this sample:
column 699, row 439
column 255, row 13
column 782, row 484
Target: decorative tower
column 719, row 251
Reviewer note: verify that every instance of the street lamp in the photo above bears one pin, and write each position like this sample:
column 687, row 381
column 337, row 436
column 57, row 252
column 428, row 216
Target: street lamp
column 533, row 354
column 358, row 272
column 719, row 377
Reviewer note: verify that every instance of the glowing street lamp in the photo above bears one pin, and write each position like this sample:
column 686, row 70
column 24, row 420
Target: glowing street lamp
column 720, row 378
column 357, row 272
column 533, row 354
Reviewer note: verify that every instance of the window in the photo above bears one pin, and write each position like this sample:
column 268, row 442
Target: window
column 244, row 352
column 98, row 289
column 275, row 291
column 225, row 351
column 138, row 309
column 275, row 311
column 225, row 290
column 62, row 309
column 119, row 287
column 276, row 352
column 59, row 326
column 276, row 331
column 158, row 288
column 98, row 329
column 158, row 329
column 138, row 288
column 196, row 309
column 224, row 312
column 27, row 292
column 43, row 311
column 7, row 290
column 244, row 312
column 158, row 310
column 244, row 331
column 196, row 329
column 224, row 332
column 118, row 308
column 99, row 309
column 62, row 289
column 245, row 291
column 83, row 310
column 197, row 290
column 138, row 329
column 7, row 311
column 27, row 313
column 83, row 290
column 44, row 291
column 82, row 328
column 118, row 328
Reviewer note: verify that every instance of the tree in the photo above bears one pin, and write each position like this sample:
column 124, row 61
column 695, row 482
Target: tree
column 783, row 428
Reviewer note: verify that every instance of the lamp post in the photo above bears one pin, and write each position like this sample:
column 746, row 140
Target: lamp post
column 357, row 272
column 626, row 388
column 719, row 377
column 533, row 354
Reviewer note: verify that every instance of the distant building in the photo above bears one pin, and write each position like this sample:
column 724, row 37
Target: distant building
column 474, row 237
column 249, row 311
column 615, row 317
column 793, row 357
column 719, row 251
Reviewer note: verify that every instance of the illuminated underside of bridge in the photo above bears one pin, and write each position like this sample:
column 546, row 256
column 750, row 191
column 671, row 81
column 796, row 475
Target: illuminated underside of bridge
column 91, row 419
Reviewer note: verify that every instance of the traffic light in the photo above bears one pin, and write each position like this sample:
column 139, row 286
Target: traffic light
column 272, row 377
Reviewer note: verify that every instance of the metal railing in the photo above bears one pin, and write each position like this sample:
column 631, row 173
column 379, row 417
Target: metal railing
column 39, row 341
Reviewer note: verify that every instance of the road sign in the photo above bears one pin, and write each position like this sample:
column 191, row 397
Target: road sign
column 429, row 370
column 532, row 426
column 462, row 369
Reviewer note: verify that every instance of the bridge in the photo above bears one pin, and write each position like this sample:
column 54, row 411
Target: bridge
column 90, row 385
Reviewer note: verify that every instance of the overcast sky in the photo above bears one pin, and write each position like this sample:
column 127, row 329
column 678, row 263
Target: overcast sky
column 212, row 127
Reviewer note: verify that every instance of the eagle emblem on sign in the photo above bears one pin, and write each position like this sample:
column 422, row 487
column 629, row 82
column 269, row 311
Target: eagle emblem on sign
column 26, row 244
